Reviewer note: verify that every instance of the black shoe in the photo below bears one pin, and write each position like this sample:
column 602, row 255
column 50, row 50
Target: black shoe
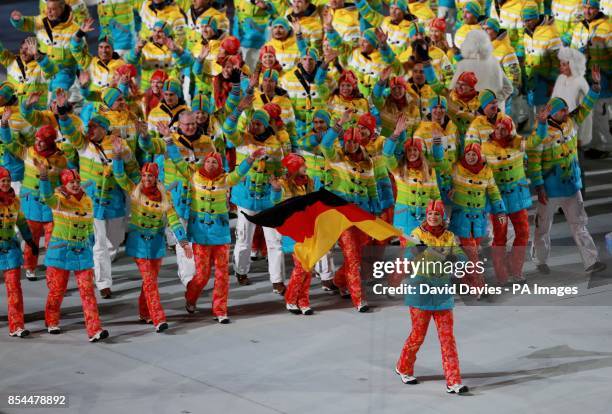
column 243, row 280
column 106, row 293
column 100, row 336
column 596, row 267
column 54, row 330
column 307, row 311
column 594, row 154
column 328, row 286
column 161, row 327
column 544, row 269
column 363, row 308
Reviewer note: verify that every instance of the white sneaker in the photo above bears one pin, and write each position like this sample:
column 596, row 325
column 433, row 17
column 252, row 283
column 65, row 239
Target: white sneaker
column 223, row 319
column 457, row 389
column 19, row 333
column 307, row 311
column 54, row 330
column 31, row 275
column 407, row 379
column 293, row 308
column 102, row 334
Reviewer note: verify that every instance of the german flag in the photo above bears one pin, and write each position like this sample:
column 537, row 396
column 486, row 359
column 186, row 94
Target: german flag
column 316, row 220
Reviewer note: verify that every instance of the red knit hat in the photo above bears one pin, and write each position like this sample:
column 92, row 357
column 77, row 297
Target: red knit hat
column 151, row 168
column 275, row 111
column 68, row 175
column 468, row 78
column 159, row 75
column 4, row 173
column 506, row 123
column 367, row 120
column 413, row 142
column 231, row 45
column 293, row 162
column 47, row 134
column 435, row 205
column 266, row 49
column 438, row 23
column 129, row 69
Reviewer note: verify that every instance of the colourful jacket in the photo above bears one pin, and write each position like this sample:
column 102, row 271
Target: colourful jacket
column 163, row 113
column 307, row 95
column 389, row 111
column 462, row 113
column 54, row 41
column 253, row 192
column 442, row 165
column 192, row 28
column 101, row 73
column 414, row 190
column 191, row 152
column 251, row 22
column 346, row 23
column 47, row 117
column 353, row 181
column 509, row 172
column 22, row 133
column 32, row 206
column 287, row 52
column 117, row 17
column 506, row 55
column 553, row 160
column 442, row 65
column 509, row 17
column 72, row 239
column 153, row 57
column 287, row 114
column 462, row 32
column 398, row 38
column 312, row 26
column 366, row 68
column 30, row 77
column 316, row 167
column 474, row 195
column 171, row 14
column 594, row 39
column 445, row 248
column 208, row 220
column 79, row 9
column 96, row 170
column 148, row 219
column 374, row 149
column 11, row 217
column 539, row 51
column 480, row 129
column 567, row 14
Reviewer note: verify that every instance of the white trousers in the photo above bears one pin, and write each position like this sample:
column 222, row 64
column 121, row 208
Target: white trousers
column 108, row 234
column 242, row 251
column 325, row 267
column 602, row 113
column 186, row 266
column 573, row 209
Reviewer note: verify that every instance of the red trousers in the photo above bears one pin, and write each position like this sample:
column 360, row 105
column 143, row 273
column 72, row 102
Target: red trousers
column 149, row 303
column 347, row 276
column 298, row 289
column 37, row 228
column 57, row 280
column 205, row 257
column 444, row 323
column 510, row 264
column 470, row 246
column 14, row 298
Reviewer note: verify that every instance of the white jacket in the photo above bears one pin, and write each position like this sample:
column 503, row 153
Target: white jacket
column 477, row 56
